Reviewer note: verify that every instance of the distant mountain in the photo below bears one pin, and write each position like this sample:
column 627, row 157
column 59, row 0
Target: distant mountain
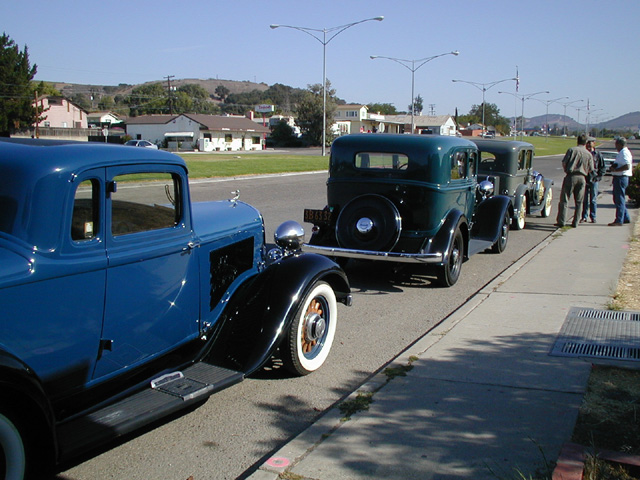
column 630, row 121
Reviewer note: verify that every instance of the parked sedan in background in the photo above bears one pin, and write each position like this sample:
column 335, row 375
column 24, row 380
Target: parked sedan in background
column 609, row 158
column 141, row 143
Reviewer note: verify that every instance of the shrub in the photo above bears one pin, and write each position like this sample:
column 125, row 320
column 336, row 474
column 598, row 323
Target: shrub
column 633, row 190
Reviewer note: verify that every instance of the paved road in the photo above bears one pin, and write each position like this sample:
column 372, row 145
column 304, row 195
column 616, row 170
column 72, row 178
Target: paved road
column 236, row 429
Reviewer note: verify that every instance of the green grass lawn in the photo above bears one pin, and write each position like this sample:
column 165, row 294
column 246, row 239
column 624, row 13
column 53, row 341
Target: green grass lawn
column 202, row 165
column 231, row 165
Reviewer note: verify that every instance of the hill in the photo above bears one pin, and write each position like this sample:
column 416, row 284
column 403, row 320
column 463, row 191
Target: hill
column 630, row 121
column 210, row 85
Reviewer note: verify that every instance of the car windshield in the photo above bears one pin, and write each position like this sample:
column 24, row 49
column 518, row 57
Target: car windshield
column 131, row 142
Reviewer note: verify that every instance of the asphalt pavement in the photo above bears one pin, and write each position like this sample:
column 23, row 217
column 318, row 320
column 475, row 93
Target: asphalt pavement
column 483, row 398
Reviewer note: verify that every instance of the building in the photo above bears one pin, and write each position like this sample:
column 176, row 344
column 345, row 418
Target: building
column 357, row 119
column 423, row 124
column 205, row 133
column 103, row 120
column 352, row 118
column 61, row 113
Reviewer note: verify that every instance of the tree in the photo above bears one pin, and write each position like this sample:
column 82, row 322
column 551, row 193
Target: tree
column 221, row 91
column 16, row 99
column 382, row 108
column 148, row 99
column 309, row 114
column 417, row 106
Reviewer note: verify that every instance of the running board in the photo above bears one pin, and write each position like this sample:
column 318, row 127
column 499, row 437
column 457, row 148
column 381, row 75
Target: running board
column 166, row 395
column 477, row 245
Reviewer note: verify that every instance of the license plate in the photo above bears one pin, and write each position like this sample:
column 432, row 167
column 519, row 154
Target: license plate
column 317, row 216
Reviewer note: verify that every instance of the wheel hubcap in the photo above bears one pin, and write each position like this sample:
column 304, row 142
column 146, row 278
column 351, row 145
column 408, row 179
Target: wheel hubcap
column 364, row 225
column 315, row 326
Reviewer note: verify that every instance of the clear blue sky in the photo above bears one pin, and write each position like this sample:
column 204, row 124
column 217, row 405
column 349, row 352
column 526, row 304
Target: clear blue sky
column 581, row 49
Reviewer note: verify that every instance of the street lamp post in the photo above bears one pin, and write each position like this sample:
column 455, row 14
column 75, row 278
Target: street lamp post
column 333, row 31
column 565, row 105
column 547, row 103
column 484, row 88
column 412, row 69
column 523, row 97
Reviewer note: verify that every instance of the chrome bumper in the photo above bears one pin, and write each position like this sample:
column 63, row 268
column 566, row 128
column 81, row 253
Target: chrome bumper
column 371, row 255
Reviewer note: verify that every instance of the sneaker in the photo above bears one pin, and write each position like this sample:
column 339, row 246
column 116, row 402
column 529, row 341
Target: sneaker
column 615, row 224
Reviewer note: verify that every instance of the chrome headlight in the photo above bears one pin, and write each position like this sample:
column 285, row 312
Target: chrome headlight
column 486, row 188
column 289, row 235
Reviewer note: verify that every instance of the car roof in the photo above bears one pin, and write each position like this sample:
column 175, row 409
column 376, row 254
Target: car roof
column 499, row 146
column 34, row 178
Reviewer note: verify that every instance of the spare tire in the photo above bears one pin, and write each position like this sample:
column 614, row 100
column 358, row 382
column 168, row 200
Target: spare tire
column 369, row 222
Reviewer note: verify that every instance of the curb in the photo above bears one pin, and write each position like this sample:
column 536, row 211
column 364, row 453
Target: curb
column 302, row 445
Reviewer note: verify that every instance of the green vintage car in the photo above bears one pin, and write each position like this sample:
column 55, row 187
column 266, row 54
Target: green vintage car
column 509, row 166
column 408, row 199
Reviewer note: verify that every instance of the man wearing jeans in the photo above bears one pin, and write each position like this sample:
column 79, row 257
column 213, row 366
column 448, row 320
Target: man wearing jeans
column 590, row 205
column 577, row 164
column 621, row 170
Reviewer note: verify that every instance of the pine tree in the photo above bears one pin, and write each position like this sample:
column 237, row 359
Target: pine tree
column 16, row 100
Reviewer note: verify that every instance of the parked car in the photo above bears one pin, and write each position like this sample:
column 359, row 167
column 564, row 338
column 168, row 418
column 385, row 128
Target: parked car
column 141, row 143
column 123, row 302
column 408, row 199
column 609, row 158
column 508, row 165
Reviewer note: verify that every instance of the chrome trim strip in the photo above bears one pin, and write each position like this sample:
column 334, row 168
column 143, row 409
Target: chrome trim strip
column 371, row 255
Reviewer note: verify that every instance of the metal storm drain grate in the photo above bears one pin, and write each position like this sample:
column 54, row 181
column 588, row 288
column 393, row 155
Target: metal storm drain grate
column 588, row 332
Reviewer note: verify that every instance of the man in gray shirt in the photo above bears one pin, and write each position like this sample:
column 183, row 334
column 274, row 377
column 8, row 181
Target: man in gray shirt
column 577, row 164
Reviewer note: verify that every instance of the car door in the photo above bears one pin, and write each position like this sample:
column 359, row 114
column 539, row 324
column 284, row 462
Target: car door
column 463, row 179
column 152, row 299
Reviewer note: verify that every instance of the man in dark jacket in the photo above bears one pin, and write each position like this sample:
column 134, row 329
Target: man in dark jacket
column 591, row 194
column 577, row 164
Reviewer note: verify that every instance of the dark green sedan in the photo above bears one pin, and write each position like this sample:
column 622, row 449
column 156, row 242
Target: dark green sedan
column 408, row 199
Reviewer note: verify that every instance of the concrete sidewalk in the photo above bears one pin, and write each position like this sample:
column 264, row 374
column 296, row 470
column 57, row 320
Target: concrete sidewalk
column 484, row 399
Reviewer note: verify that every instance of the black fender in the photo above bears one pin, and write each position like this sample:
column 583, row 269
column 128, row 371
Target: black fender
column 259, row 314
column 22, row 394
column 489, row 216
column 440, row 242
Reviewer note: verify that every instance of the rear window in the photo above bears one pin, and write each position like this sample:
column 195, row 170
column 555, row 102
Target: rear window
column 381, row 161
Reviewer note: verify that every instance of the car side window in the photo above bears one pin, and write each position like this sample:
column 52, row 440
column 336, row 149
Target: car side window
column 472, row 164
column 521, row 160
column 86, row 211
column 529, row 156
column 152, row 204
column 459, row 165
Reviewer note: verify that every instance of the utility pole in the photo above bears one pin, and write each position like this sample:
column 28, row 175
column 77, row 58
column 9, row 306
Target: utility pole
column 169, row 77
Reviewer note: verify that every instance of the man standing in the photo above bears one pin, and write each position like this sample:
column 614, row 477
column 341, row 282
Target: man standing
column 590, row 204
column 621, row 170
column 577, row 164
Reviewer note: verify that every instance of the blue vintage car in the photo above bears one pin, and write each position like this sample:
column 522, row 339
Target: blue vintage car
column 409, row 199
column 123, row 302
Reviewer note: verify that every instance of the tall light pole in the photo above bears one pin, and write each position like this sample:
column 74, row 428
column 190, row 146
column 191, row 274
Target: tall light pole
column 333, row 31
column 411, row 66
column 523, row 97
column 565, row 105
column 484, row 87
column 547, row 103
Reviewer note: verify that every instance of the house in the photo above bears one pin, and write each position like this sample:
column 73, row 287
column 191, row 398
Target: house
column 352, row 118
column 61, row 113
column 423, row 124
column 197, row 131
column 103, row 119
